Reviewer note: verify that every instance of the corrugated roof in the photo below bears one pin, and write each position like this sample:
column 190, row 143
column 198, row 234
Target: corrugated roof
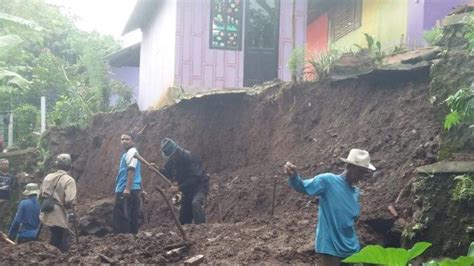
column 142, row 12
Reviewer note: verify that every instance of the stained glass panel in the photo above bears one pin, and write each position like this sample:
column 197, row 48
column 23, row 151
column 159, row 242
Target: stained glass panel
column 226, row 24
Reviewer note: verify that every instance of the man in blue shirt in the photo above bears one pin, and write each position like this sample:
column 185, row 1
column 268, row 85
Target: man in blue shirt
column 128, row 187
column 26, row 223
column 339, row 208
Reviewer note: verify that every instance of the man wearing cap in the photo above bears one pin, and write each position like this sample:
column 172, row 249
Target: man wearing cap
column 192, row 180
column 62, row 188
column 26, row 223
column 339, row 208
column 128, row 188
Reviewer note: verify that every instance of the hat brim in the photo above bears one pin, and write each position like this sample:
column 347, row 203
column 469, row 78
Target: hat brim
column 370, row 166
column 30, row 192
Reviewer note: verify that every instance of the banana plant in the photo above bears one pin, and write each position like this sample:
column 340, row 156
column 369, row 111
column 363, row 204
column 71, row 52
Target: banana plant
column 374, row 254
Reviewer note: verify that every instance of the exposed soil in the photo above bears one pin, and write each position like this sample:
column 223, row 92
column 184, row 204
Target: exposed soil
column 243, row 140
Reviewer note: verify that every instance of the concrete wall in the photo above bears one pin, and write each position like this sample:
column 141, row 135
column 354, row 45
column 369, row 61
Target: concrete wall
column 386, row 20
column 157, row 55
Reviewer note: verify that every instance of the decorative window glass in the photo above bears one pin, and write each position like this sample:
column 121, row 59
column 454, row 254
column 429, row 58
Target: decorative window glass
column 226, row 24
column 345, row 18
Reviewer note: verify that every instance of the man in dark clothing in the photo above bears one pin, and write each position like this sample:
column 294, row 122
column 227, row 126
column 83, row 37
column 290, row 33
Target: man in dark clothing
column 26, row 223
column 6, row 180
column 192, row 180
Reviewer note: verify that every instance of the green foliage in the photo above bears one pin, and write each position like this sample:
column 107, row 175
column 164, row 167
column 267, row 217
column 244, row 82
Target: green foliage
column 410, row 232
column 375, row 254
column 470, row 34
column 26, row 117
column 296, row 64
column 464, row 189
column 374, row 47
column 461, row 105
column 320, row 65
column 460, row 261
column 42, row 53
column 433, row 36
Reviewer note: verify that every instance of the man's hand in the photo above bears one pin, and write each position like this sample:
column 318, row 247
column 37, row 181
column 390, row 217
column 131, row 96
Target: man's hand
column 126, row 192
column 144, row 196
column 290, row 169
column 174, row 189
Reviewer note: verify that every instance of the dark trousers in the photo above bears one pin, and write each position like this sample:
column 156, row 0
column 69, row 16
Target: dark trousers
column 192, row 207
column 60, row 238
column 126, row 213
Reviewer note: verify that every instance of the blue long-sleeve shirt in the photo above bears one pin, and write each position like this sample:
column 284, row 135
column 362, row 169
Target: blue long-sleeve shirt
column 338, row 210
column 28, row 215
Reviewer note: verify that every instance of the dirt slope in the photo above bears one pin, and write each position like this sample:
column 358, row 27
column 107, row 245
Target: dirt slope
column 243, row 141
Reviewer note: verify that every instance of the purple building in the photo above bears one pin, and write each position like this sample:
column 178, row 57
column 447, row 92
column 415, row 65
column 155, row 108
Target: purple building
column 215, row 44
column 423, row 16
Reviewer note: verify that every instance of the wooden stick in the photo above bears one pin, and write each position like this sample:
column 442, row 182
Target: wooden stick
column 5, row 237
column 274, row 194
column 106, row 259
column 180, row 228
column 404, row 189
column 154, row 169
column 219, row 210
column 163, row 194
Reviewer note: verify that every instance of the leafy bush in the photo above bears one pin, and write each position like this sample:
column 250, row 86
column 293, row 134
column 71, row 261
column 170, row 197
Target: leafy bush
column 461, row 261
column 296, row 64
column 320, row 65
column 373, row 46
column 26, row 119
column 433, row 36
column 461, row 106
column 470, row 34
column 464, row 189
column 375, row 254
column 48, row 56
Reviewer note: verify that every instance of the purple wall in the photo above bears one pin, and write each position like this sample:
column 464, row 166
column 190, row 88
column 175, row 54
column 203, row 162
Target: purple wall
column 197, row 67
column 127, row 75
column 422, row 16
column 438, row 9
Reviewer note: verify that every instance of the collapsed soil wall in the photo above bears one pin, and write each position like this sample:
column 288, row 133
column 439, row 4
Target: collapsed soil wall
column 244, row 139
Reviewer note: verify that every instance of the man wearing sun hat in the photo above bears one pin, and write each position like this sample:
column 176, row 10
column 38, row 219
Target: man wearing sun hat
column 26, row 223
column 339, row 208
column 62, row 187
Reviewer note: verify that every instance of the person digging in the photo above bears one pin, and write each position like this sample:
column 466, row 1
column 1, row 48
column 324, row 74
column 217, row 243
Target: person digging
column 192, row 180
column 339, row 208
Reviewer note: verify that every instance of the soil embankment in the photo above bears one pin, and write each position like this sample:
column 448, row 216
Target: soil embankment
column 243, row 141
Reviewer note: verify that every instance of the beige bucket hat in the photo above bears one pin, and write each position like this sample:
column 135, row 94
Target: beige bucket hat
column 360, row 158
column 30, row 189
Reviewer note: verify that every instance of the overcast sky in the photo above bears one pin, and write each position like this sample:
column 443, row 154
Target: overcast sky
column 104, row 16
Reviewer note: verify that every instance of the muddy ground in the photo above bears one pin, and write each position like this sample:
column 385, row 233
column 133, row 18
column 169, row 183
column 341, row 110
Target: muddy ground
column 243, row 141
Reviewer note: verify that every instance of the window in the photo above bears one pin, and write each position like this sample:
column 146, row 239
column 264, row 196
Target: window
column 345, row 18
column 226, row 24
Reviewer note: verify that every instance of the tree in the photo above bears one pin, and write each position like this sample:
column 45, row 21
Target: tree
column 48, row 56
